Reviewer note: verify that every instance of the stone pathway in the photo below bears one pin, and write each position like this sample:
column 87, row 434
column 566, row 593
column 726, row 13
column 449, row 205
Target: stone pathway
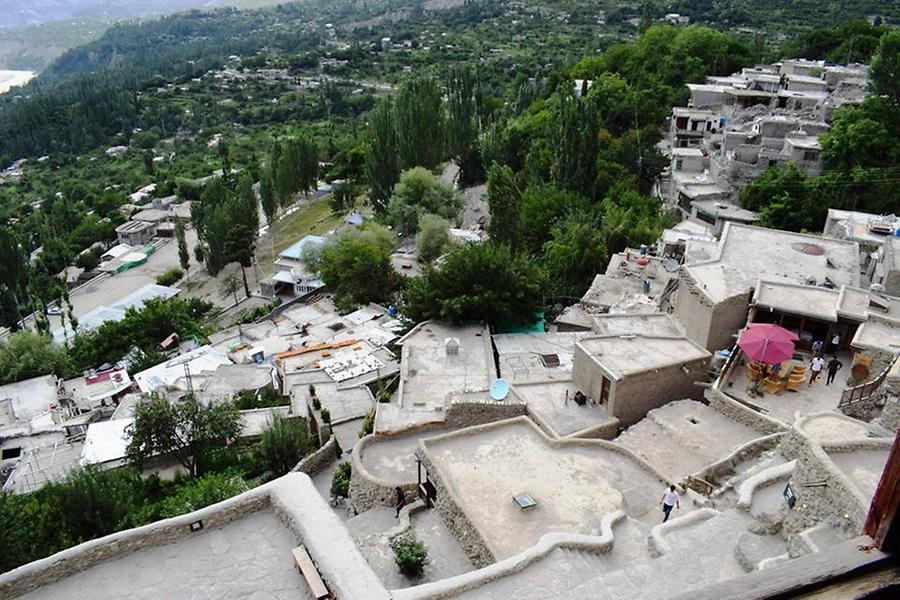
column 246, row 559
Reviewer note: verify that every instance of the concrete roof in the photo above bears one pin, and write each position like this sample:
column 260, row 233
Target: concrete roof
column 807, row 143
column 745, row 254
column 106, row 441
column 254, row 422
column 624, row 355
column 651, row 324
column 817, row 302
column 429, row 375
column 725, row 210
column 170, row 374
column 680, row 111
column 151, row 215
column 228, row 379
column 878, row 333
column 620, row 289
column 132, row 226
column 97, row 387
column 27, row 399
column 295, row 251
column 520, row 355
column 854, row 225
column 574, row 482
column 694, row 152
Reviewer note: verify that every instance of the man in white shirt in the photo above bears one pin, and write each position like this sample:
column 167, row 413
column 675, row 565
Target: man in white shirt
column 815, row 367
column 669, row 501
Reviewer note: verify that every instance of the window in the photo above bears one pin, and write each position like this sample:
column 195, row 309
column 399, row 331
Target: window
column 708, row 125
column 678, row 164
column 10, row 453
column 811, row 155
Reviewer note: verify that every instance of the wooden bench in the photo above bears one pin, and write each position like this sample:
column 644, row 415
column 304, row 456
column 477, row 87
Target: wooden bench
column 309, row 572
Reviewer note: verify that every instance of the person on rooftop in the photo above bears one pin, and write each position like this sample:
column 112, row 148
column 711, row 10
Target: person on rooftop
column 834, row 365
column 669, row 501
column 815, row 369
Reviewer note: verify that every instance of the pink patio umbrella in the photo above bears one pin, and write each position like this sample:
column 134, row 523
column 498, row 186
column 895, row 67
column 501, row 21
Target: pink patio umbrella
column 767, row 343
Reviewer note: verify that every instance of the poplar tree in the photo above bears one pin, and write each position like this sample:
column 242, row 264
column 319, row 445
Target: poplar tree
column 381, row 163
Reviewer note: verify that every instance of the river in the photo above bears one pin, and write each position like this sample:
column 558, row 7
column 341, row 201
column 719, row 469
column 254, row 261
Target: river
column 9, row 79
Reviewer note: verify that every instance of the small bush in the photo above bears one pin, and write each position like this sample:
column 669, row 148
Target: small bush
column 317, row 404
column 265, row 398
column 368, row 425
column 410, row 555
column 284, row 444
column 326, row 416
column 170, row 277
column 340, row 481
column 312, row 391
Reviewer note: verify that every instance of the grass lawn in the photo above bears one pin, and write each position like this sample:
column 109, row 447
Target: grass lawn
column 315, row 219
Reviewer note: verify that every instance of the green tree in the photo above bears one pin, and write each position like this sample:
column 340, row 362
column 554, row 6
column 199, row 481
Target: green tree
column 183, row 430
column 433, row 237
column 504, row 201
column 419, row 192
column 884, row 71
column 284, row 443
column 25, row 355
column 773, row 183
column 419, row 123
column 356, row 267
column 410, row 555
column 184, row 257
column 485, row 281
column 575, row 253
column 382, row 165
column 462, row 125
column 574, row 135
column 542, row 207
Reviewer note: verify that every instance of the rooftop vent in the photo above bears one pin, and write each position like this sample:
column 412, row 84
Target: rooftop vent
column 808, row 248
column 881, row 228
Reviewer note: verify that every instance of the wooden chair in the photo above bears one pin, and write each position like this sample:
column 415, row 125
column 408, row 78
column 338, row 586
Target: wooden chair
column 795, row 381
column 772, row 386
column 752, row 371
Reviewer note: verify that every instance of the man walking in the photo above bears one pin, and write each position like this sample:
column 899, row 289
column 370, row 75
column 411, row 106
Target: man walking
column 834, row 365
column 815, row 367
column 669, row 501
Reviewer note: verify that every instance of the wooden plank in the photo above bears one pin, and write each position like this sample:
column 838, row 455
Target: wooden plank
column 882, row 522
column 310, row 573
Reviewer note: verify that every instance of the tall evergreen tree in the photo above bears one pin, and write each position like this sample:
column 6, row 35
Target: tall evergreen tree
column 575, row 137
column 382, row 165
column 419, row 123
column 462, row 126
column 504, row 205
column 183, row 254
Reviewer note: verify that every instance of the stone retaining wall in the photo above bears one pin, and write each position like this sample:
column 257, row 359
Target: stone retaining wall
column 744, row 415
column 319, row 459
column 366, row 489
column 84, row 556
column 466, row 413
column 823, row 491
column 719, row 469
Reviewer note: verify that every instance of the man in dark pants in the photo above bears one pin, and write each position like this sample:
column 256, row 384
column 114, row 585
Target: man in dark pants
column 834, row 365
column 669, row 501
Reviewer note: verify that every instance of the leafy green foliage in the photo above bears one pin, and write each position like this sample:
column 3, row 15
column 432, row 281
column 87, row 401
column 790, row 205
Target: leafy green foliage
column 433, row 237
column 410, row 555
column 368, row 425
column 340, row 481
column 462, row 126
column 478, row 281
column 504, row 201
column 885, row 68
column 356, row 266
column 419, row 192
column 284, row 443
column 170, row 277
column 381, row 164
column 25, row 355
column 267, row 397
column 183, row 430
column 142, row 329
column 184, row 258
column 199, row 493
column 419, row 123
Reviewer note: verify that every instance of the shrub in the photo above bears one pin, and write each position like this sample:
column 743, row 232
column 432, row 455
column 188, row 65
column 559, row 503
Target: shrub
column 284, row 444
column 340, row 481
column 312, row 391
column 170, row 277
column 410, row 555
column 206, row 490
column 265, row 398
column 326, row 416
column 317, row 404
column 368, row 425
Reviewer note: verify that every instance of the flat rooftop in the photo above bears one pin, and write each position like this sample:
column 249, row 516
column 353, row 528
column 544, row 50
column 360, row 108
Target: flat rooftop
column 438, row 361
column 534, row 357
column 653, row 324
column 247, row 558
column 574, row 483
column 745, row 254
column 624, row 355
column 553, row 403
column 856, row 226
column 725, row 210
column 862, row 467
column 685, row 436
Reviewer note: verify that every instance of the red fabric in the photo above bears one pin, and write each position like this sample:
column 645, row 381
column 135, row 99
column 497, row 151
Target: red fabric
column 767, row 343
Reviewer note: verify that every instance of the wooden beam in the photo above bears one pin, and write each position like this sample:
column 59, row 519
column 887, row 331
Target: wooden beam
column 882, row 523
